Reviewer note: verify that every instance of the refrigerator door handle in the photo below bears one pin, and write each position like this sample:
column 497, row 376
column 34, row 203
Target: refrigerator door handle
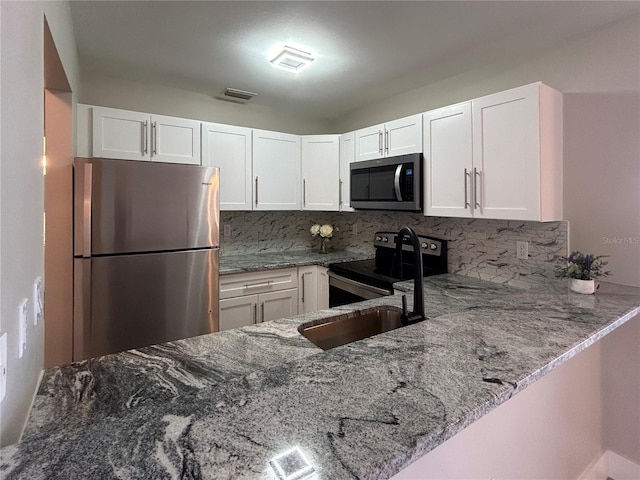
column 82, row 309
column 86, row 211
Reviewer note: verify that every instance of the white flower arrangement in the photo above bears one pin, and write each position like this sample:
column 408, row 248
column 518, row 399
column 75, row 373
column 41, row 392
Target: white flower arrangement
column 325, row 231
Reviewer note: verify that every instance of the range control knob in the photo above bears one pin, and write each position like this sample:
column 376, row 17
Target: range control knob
column 433, row 246
column 385, row 239
column 378, row 238
column 424, row 245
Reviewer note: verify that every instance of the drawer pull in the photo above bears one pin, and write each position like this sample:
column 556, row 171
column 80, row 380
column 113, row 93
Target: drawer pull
column 255, row 285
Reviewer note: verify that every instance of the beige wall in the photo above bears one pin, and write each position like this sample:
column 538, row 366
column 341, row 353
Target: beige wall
column 552, row 429
column 22, row 190
column 117, row 93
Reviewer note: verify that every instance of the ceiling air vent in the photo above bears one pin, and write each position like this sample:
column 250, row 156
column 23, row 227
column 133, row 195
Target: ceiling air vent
column 239, row 94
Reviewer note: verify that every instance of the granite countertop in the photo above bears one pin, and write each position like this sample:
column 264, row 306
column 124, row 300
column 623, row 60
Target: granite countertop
column 295, row 258
column 223, row 405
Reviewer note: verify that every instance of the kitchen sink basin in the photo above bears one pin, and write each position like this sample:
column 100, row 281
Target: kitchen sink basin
column 353, row 326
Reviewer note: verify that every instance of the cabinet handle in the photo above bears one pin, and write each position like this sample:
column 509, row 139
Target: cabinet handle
column 154, row 138
column 255, row 313
column 145, row 138
column 386, row 141
column 340, row 192
column 262, row 312
column 476, row 174
column 256, row 191
column 304, row 192
column 466, row 186
column 380, row 141
column 261, row 284
column 302, row 288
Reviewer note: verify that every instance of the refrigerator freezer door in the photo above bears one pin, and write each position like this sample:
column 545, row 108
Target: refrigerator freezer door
column 134, row 207
column 132, row 301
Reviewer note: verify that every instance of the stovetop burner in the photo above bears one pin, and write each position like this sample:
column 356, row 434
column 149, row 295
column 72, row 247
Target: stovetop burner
column 378, row 272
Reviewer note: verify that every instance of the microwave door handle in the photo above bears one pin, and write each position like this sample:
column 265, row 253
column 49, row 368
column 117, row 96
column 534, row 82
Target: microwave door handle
column 396, row 182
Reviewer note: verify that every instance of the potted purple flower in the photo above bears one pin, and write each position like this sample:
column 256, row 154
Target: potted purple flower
column 582, row 270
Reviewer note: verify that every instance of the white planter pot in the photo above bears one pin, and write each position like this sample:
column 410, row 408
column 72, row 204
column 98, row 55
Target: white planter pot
column 587, row 287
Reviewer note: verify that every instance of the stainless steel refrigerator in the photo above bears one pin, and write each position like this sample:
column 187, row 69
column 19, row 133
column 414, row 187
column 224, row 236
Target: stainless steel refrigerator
column 146, row 254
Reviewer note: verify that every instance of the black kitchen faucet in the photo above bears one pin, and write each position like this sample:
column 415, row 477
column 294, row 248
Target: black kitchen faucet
column 418, row 281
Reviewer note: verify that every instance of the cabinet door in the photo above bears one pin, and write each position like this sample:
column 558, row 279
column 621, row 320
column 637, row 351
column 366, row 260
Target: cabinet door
column 323, row 288
column 347, row 156
column 369, row 143
column 175, row 140
column 229, row 148
column 307, row 289
column 320, row 169
column 283, row 303
column 403, row 136
column 120, row 134
column 238, row 312
column 506, row 154
column 448, row 161
column 276, row 171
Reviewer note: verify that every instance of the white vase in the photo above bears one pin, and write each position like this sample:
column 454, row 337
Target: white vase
column 587, row 287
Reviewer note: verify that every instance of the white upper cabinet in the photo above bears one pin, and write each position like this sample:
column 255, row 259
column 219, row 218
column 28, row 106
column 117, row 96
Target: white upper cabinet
column 448, row 161
column 229, row 148
column 130, row 135
column 399, row 137
column 120, row 134
column 276, row 171
column 514, row 168
column 175, row 140
column 320, row 168
column 347, row 156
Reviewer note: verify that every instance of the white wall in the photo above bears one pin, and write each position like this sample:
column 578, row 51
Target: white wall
column 600, row 74
column 22, row 187
column 143, row 97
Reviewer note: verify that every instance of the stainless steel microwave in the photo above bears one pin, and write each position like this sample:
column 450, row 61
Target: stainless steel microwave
column 393, row 183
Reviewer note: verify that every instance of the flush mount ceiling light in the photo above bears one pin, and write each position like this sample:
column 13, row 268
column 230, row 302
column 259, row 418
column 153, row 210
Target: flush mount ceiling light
column 291, row 59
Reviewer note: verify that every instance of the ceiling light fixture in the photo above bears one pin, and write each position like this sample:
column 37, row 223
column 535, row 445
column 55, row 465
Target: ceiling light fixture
column 292, row 59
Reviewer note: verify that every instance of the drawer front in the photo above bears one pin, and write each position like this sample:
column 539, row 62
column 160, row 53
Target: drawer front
column 239, row 284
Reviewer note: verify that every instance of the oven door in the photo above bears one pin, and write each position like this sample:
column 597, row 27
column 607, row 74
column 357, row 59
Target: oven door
column 343, row 291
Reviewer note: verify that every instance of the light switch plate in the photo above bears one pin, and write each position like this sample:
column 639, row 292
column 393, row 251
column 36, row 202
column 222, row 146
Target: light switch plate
column 3, row 365
column 37, row 301
column 522, row 250
column 226, row 230
column 22, row 327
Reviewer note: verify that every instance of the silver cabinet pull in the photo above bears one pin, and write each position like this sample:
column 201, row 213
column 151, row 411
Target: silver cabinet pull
column 256, row 191
column 255, row 313
column 302, row 288
column 476, row 174
column 340, row 192
column 304, row 192
column 386, row 141
column 145, row 138
column 396, row 182
column 154, row 138
column 380, row 141
column 466, row 186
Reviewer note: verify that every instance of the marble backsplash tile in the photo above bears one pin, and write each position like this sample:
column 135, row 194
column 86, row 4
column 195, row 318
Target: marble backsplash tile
column 484, row 249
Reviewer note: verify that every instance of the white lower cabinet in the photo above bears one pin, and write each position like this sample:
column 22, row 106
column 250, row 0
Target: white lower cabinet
column 248, row 298
column 313, row 289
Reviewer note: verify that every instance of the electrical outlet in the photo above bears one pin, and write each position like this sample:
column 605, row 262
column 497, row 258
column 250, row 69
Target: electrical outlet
column 227, row 230
column 3, row 365
column 522, row 250
column 22, row 327
column 38, row 304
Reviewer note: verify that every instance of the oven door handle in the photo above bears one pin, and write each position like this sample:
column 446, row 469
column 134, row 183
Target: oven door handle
column 396, row 182
column 357, row 288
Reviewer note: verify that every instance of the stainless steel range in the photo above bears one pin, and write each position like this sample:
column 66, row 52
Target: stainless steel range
column 351, row 282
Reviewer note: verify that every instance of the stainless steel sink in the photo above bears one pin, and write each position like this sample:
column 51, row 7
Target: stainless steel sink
column 353, row 326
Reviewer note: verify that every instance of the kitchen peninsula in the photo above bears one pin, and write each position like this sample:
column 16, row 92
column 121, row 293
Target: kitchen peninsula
column 223, row 405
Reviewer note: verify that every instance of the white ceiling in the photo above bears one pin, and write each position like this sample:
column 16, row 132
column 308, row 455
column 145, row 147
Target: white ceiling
column 365, row 50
